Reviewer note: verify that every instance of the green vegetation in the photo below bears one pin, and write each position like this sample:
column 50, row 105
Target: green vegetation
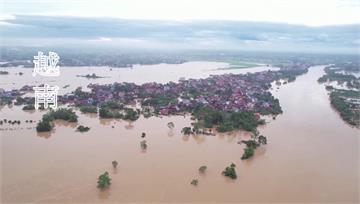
column 90, row 76
column 106, row 113
column 333, row 73
column 202, row 169
column 88, row 109
column 43, row 126
column 160, row 100
column 262, row 140
column 171, row 125
column 59, row 114
column 194, row 182
column 248, row 152
column 82, row 128
column 252, row 144
column 111, row 109
column 291, row 74
column 143, row 145
column 81, row 94
column 230, row 171
column 208, row 118
column 347, row 102
column 114, row 109
column 19, row 101
column 131, row 114
column 273, row 109
column 114, row 163
column 186, row 131
column 29, row 107
column 113, row 105
column 238, row 64
column 104, row 181
column 291, row 78
column 5, row 100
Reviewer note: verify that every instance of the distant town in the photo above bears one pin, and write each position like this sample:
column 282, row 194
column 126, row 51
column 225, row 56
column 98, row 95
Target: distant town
column 221, row 94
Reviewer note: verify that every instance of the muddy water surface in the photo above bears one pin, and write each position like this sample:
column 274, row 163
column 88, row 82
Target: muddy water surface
column 311, row 156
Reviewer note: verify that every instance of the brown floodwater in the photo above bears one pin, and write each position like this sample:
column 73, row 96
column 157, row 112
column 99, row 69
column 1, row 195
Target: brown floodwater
column 312, row 156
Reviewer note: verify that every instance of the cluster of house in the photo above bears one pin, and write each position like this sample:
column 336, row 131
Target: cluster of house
column 228, row 92
column 17, row 95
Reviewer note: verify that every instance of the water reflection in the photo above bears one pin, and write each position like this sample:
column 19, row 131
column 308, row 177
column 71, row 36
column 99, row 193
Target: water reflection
column 45, row 135
column 104, row 194
column 115, row 170
column 106, row 122
column 199, row 138
column 185, row 138
column 129, row 126
column 91, row 115
column 62, row 123
column 170, row 133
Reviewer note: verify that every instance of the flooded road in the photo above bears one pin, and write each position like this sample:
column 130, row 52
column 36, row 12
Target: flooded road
column 311, row 156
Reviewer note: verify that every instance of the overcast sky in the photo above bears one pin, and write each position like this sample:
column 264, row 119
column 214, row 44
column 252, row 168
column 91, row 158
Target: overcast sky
column 305, row 12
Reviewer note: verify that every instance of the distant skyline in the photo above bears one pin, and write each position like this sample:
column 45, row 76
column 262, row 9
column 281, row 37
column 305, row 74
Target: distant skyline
column 300, row 12
column 320, row 26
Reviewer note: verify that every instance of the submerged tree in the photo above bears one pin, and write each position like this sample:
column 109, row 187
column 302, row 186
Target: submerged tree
column 202, row 169
column 104, row 180
column 143, row 144
column 251, row 145
column 82, row 128
column 262, row 140
column 248, row 152
column 114, row 163
column 194, row 182
column 230, row 171
column 186, row 131
column 43, row 126
column 143, row 134
column 171, row 125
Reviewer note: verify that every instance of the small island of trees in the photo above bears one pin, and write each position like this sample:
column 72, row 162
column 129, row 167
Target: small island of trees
column 114, row 163
column 226, row 121
column 29, row 107
column 194, row 182
column 230, row 171
column 252, row 144
column 60, row 114
column 202, row 169
column 88, row 109
column 114, row 109
column 104, row 181
column 82, row 128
